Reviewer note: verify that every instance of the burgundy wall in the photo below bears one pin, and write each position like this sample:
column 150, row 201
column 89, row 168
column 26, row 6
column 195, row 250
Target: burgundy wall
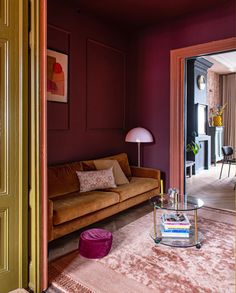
column 92, row 123
column 149, row 73
column 71, row 134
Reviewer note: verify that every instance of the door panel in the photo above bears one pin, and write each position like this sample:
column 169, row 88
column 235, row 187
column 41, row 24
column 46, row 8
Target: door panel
column 3, row 240
column 4, row 52
column 13, row 144
column 4, row 10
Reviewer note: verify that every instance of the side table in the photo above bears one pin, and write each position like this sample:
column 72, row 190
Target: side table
column 190, row 164
column 164, row 203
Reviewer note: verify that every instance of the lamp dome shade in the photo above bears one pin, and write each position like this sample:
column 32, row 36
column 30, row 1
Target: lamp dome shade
column 139, row 134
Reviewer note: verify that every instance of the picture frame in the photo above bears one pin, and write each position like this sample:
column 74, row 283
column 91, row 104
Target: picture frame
column 57, row 76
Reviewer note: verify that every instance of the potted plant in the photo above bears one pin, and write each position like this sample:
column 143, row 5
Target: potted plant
column 193, row 147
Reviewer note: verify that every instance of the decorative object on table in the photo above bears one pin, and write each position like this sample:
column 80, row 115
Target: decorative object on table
column 161, row 187
column 174, row 195
column 57, row 71
column 216, row 114
column 139, row 135
column 95, row 243
column 161, row 192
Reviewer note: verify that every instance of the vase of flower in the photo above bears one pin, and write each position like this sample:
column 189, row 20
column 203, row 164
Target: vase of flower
column 216, row 115
column 217, row 120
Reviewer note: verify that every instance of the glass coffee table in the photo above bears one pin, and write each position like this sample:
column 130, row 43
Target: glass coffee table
column 164, row 203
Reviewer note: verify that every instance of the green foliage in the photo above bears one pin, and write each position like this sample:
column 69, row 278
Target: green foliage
column 193, row 147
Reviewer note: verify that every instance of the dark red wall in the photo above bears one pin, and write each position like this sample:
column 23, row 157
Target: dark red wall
column 71, row 134
column 149, row 73
column 92, row 123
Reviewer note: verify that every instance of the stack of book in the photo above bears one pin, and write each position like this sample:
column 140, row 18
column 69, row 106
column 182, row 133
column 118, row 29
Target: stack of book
column 175, row 225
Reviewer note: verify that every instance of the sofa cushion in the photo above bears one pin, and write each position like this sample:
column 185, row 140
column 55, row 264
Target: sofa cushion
column 62, row 179
column 122, row 159
column 74, row 205
column 99, row 179
column 88, row 165
column 119, row 175
column 137, row 185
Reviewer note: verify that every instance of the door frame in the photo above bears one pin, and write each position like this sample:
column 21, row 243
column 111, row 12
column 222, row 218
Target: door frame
column 38, row 266
column 177, row 77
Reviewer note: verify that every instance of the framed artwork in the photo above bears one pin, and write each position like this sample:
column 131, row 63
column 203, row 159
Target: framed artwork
column 57, row 76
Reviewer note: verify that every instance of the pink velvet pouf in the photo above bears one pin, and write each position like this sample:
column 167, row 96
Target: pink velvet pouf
column 95, row 243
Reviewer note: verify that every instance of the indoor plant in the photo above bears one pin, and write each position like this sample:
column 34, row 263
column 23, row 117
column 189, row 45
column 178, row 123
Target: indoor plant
column 193, row 147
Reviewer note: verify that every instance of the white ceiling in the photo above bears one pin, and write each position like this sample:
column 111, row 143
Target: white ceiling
column 223, row 63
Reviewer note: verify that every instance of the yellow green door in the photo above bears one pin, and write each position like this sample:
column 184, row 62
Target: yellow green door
column 13, row 144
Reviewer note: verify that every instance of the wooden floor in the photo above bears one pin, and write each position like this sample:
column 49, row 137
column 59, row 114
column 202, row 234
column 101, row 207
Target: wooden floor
column 215, row 192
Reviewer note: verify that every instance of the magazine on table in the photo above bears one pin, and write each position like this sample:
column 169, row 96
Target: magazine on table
column 175, row 235
column 178, row 220
column 174, row 230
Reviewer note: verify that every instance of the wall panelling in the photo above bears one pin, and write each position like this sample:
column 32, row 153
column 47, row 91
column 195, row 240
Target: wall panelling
column 105, row 86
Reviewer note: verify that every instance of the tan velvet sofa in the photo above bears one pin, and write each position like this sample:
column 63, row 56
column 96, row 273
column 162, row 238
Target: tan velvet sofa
column 70, row 210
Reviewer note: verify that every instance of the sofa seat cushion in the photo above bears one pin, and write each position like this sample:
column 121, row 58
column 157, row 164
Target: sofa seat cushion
column 136, row 186
column 74, row 205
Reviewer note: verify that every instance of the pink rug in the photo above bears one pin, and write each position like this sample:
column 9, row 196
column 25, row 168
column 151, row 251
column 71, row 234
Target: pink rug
column 136, row 264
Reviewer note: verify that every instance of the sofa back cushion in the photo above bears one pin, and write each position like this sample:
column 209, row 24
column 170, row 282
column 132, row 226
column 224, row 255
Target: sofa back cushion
column 62, row 179
column 119, row 175
column 122, row 159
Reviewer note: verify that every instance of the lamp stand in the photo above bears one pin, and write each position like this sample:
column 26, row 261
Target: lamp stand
column 139, row 154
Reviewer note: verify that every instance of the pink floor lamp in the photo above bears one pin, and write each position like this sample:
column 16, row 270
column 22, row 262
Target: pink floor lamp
column 139, row 135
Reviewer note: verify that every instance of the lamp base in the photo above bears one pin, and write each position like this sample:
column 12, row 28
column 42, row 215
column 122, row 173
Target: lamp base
column 139, row 154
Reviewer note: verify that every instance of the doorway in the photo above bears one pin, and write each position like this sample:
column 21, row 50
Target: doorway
column 177, row 147
column 210, row 96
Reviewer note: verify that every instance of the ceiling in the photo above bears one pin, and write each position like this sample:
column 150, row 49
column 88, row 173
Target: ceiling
column 139, row 13
column 223, row 63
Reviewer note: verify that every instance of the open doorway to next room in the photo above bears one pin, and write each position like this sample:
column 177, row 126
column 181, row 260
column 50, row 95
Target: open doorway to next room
column 210, row 128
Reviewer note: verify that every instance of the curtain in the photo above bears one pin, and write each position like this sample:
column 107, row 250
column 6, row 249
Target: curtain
column 229, row 115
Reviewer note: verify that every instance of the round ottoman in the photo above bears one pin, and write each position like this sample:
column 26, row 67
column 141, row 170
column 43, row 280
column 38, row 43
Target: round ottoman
column 95, row 243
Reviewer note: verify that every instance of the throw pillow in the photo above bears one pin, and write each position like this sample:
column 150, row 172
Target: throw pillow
column 122, row 159
column 92, row 180
column 119, row 175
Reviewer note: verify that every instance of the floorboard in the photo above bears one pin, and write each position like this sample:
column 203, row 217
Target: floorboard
column 215, row 192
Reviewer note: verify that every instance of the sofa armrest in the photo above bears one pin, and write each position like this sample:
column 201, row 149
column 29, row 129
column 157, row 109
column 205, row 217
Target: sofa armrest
column 146, row 172
column 50, row 220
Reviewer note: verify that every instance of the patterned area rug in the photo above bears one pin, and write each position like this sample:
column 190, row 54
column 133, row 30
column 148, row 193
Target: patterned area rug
column 136, row 264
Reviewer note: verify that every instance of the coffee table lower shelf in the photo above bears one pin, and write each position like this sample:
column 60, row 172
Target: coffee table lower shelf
column 179, row 242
